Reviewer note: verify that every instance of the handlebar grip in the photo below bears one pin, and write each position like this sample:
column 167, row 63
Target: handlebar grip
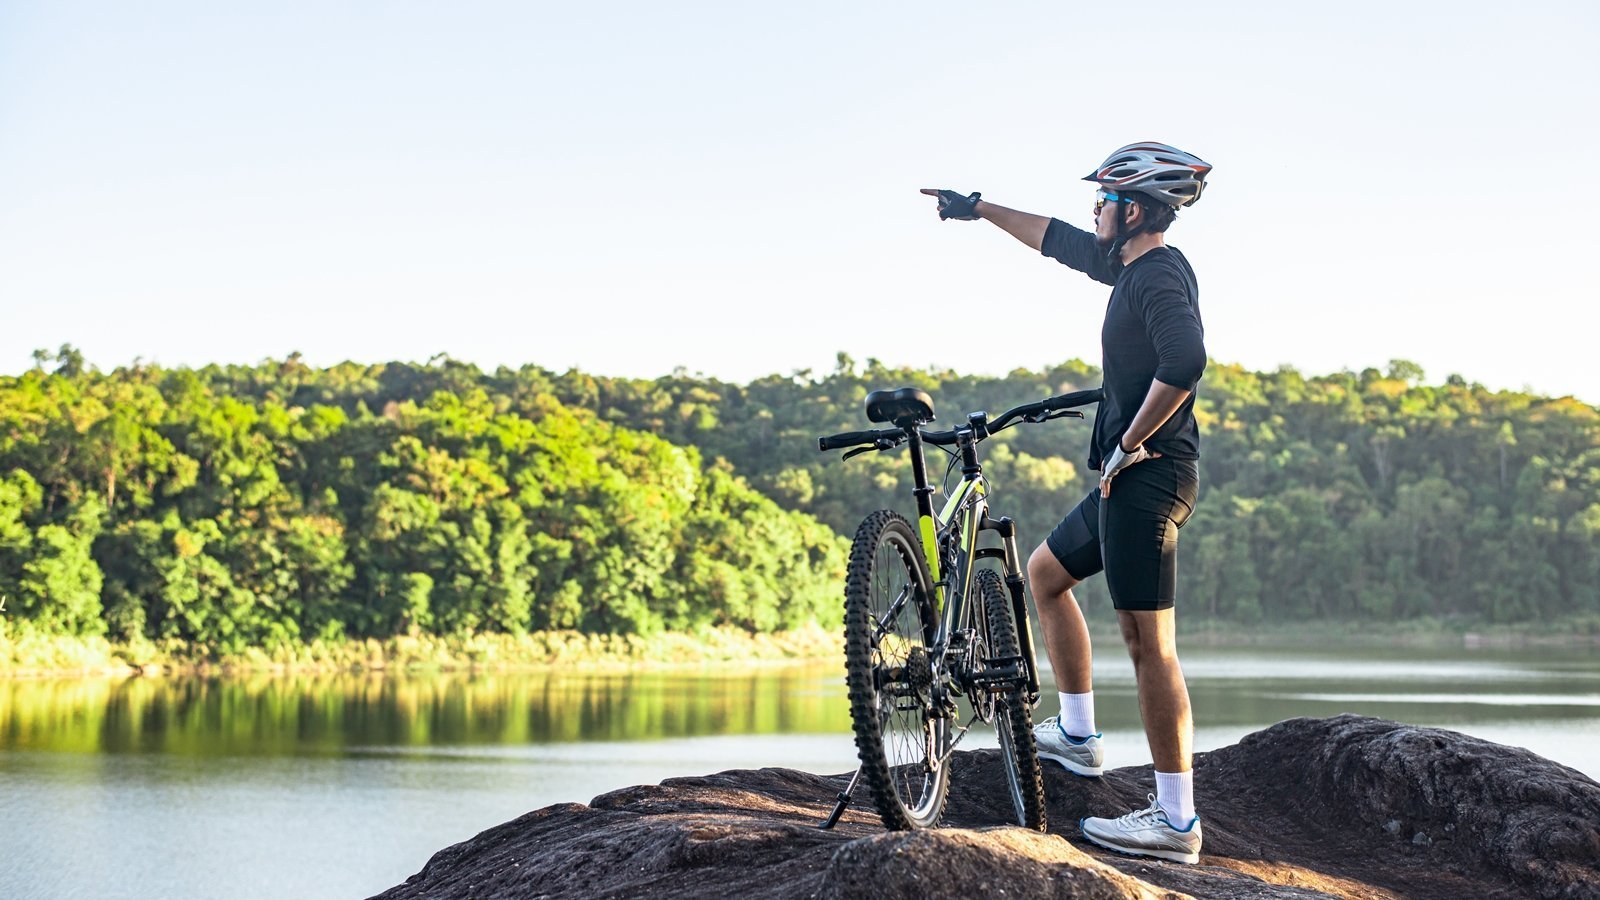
column 1074, row 399
column 853, row 438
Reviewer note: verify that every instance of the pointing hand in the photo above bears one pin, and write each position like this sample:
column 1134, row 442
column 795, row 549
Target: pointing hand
column 956, row 206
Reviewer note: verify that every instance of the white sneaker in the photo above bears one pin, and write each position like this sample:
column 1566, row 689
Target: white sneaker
column 1146, row 832
column 1083, row 757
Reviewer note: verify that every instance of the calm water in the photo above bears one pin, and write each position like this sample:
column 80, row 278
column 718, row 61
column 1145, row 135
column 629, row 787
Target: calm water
column 342, row 786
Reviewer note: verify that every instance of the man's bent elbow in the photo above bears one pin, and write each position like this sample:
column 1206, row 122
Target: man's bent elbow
column 1183, row 373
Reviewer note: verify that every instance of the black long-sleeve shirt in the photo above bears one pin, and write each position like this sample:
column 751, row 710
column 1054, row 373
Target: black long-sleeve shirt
column 1152, row 332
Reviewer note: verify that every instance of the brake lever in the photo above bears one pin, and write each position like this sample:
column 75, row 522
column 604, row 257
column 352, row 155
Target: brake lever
column 879, row 444
column 1036, row 418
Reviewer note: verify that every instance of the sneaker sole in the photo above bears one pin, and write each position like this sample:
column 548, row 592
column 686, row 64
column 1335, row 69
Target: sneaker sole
column 1172, row 855
column 1076, row 768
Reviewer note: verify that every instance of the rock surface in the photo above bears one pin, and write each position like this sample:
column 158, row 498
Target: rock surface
column 1342, row 807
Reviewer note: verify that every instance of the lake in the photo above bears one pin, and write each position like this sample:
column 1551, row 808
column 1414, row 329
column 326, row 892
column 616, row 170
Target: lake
column 341, row 786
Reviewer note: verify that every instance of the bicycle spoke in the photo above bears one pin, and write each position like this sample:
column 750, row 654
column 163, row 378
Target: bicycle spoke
column 887, row 619
column 901, row 698
column 892, row 675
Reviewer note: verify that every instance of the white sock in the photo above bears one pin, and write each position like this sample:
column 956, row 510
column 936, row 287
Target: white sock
column 1175, row 793
column 1077, row 714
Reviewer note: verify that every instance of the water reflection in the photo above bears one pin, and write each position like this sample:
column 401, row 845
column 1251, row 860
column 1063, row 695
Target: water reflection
column 1447, row 699
column 305, row 715
column 184, row 785
column 280, row 715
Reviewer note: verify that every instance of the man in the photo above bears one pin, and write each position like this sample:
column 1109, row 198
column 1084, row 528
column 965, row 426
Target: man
column 1146, row 445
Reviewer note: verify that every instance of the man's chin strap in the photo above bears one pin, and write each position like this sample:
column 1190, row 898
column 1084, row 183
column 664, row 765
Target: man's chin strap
column 1114, row 255
column 1121, row 239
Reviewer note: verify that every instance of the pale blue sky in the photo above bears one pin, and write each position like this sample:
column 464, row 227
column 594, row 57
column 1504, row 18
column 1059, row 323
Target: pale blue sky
column 732, row 187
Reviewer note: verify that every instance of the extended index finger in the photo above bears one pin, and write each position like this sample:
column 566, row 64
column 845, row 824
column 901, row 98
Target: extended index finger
column 931, row 192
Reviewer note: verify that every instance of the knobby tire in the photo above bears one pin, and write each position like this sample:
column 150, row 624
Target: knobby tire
column 885, row 700
column 1013, row 720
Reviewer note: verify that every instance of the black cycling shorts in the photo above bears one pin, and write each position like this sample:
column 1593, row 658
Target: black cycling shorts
column 1133, row 534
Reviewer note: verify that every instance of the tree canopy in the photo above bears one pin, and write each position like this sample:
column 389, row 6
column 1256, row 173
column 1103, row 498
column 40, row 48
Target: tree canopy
column 245, row 507
column 235, row 506
column 1365, row 496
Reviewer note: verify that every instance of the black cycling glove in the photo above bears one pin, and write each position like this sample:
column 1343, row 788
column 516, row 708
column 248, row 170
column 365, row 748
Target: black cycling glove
column 954, row 206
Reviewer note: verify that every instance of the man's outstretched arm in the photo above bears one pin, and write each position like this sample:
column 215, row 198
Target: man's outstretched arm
column 1025, row 227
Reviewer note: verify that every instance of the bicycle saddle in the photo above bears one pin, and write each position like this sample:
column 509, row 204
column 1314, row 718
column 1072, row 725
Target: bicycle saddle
column 905, row 407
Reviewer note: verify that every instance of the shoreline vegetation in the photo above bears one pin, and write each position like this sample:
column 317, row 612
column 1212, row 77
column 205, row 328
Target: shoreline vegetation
column 30, row 654
column 27, row 653
column 396, row 516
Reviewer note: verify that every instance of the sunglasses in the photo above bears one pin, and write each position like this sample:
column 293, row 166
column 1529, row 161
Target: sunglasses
column 1102, row 198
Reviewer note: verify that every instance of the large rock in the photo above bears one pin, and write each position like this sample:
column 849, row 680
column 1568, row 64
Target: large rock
column 1344, row 807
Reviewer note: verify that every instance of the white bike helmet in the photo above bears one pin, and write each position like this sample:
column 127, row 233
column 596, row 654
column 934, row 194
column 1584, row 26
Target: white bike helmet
column 1157, row 170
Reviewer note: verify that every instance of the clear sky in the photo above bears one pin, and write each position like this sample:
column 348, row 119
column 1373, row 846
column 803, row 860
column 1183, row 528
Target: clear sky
column 732, row 187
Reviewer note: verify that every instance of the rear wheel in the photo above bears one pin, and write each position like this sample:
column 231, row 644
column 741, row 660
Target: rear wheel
column 1013, row 719
column 901, row 736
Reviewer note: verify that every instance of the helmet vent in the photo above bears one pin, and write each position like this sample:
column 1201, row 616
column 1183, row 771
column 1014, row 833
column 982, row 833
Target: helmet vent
column 1160, row 170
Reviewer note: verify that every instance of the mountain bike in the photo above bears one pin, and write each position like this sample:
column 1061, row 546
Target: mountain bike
column 925, row 623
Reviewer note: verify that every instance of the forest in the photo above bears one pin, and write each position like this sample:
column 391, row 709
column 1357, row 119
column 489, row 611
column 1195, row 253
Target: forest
column 250, row 506
column 229, row 507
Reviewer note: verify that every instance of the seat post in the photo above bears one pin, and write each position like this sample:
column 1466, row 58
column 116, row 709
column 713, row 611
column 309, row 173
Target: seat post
column 919, row 473
column 926, row 527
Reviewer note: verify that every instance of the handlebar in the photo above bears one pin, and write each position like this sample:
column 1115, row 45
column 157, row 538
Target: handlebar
column 885, row 438
column 856, row 438
column 1073, row 400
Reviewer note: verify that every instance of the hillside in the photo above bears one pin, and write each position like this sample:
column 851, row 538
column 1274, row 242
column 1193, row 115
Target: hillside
column 236, row 506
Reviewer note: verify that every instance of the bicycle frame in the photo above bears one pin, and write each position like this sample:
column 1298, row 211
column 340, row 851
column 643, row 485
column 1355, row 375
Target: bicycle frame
column 989, row 682
column 951, row 592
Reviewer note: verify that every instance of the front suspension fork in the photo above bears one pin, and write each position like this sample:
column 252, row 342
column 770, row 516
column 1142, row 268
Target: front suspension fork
column 1007, row 529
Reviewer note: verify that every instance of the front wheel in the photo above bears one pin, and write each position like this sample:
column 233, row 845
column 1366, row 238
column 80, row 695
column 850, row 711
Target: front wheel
column 901, row 732
column 1013, row 719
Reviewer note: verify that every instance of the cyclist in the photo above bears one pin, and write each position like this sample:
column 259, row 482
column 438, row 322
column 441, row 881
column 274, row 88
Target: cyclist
column 1146, row 445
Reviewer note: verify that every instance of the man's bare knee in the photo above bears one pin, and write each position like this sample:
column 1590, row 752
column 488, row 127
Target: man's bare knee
column 1049, row 578
column 1149, row 636
column 1130, row 635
